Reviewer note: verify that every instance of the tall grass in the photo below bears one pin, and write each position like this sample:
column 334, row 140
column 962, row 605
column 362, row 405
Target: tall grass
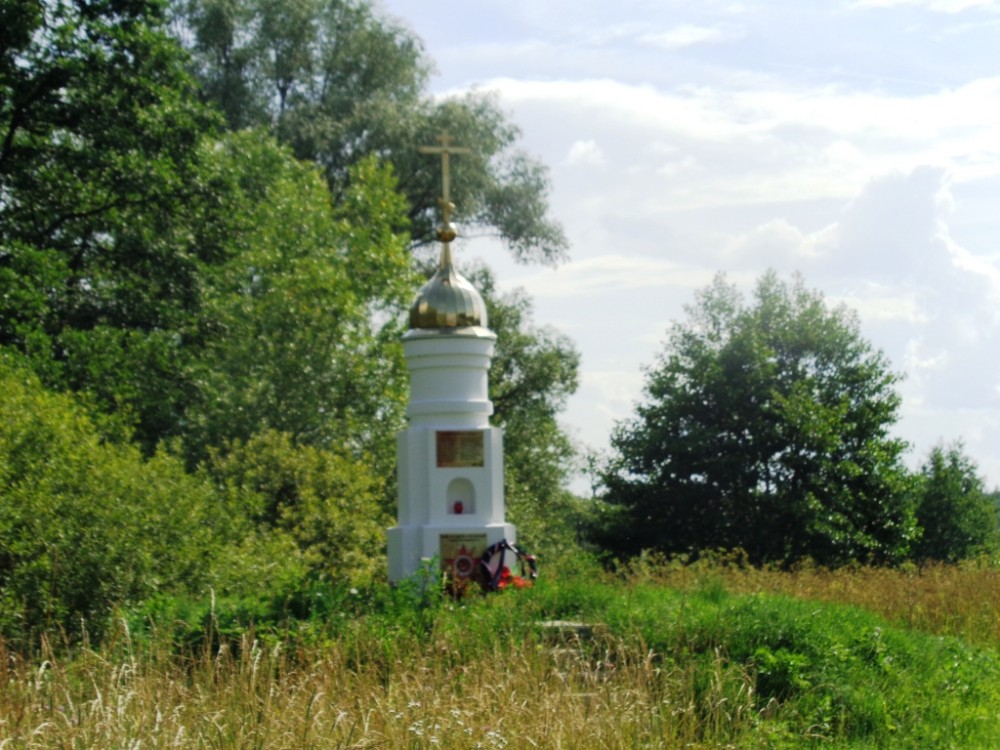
column 958, row 600
column 427, row 695
column 693, row 666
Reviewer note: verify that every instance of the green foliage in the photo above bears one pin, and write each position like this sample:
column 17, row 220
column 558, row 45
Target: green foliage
column 327, row 502
column 215, row 295
column 101, row 185
column 766, row 428
column 955, row 515
column 298, row 327
column 336, row 80
column 311, row 609
column 96, row 118
column 823, row 674
column 534, row 370
column 201, row 289
column 86, row 524
column 744, row 671
column 97, row 134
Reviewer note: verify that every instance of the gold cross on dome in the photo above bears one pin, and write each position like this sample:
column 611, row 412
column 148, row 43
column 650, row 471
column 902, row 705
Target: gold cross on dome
column 445, row 149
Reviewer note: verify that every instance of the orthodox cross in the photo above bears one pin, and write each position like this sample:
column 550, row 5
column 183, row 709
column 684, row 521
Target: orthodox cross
column 445, row 149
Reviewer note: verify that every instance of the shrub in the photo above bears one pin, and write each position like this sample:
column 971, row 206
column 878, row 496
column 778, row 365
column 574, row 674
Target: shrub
column 326, row 502
column 86, row 523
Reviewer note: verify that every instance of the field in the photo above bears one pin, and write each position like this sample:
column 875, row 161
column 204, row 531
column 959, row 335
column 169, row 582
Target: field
column 711, row 655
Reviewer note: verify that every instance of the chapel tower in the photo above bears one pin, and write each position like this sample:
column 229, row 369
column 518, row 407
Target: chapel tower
column 450, row 460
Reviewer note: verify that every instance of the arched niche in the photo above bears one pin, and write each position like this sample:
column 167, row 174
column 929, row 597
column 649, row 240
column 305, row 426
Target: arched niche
column 461, row 497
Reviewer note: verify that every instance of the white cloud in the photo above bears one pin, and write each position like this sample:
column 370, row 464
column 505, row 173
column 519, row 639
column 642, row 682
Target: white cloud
column 677, row 167
column 585, row 153
column 764, row 144
column 976, row 265
column 968, row 115
column 941, row 6
column 606, row 274
column 683, row 36
column 617, row 388
column 778, row 243
column 885, row 306
column 917, row 359
column 862, row 148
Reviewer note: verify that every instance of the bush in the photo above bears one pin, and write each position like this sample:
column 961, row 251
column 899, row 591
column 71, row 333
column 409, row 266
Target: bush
column 325, row 502
column 86, row 523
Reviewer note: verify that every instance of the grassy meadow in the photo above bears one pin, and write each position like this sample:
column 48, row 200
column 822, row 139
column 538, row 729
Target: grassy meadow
column 710, row 655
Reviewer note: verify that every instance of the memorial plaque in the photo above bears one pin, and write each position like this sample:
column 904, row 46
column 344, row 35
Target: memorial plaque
column 456, row 449
column 460, row 555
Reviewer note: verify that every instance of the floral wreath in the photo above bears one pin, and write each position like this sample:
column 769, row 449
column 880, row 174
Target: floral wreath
column 496, row 577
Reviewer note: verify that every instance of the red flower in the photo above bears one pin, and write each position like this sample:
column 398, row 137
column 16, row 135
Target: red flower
column 508, row 579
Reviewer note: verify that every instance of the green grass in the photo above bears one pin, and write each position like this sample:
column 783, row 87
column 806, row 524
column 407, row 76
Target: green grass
column 822, row 672
column 661, row 667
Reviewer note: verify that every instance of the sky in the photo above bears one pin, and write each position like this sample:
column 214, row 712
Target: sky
column 854, row 141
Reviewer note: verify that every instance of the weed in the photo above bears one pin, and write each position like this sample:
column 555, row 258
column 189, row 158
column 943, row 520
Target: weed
column 717, row 659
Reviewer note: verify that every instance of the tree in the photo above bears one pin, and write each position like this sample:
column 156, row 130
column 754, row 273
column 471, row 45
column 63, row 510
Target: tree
column 98, row 161
column 534, row 371
column 336, row 81
column 766, row 428
column 298, row 330
column 954, row 512
column 97, row 121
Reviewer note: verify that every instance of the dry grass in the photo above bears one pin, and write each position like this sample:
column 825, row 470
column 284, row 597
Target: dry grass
column 958, row 600
column 465, row 685
column 321, row 697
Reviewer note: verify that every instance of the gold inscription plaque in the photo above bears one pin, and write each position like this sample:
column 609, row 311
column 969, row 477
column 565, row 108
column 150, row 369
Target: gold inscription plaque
column 456, row 449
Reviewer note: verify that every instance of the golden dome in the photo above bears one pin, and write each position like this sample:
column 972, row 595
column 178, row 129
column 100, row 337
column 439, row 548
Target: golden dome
column 447, row 300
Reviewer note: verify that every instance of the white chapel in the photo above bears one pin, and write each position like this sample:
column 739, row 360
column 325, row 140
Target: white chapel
column 450, row 460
